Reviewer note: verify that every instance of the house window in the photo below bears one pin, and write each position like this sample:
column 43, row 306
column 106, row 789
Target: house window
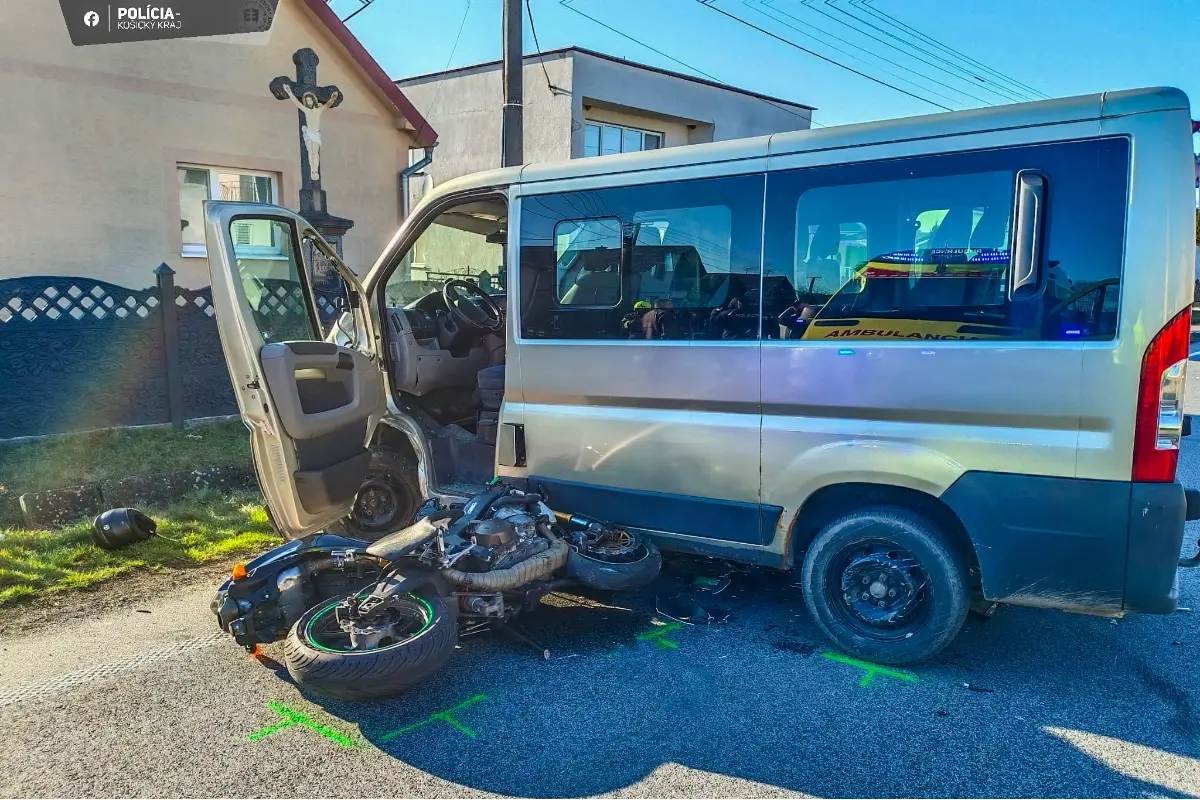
column 197, row 184
column 602, row 139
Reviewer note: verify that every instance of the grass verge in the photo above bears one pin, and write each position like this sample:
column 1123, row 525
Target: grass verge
column 207, row 526
column 81, row 458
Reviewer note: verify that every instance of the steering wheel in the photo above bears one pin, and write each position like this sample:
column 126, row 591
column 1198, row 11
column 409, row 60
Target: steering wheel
column 471, row 306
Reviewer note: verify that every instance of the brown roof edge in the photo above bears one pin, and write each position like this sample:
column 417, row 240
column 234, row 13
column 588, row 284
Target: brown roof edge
column 425, row 135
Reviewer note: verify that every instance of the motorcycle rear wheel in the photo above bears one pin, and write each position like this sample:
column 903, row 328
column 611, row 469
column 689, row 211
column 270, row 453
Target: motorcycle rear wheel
column 317, row 659
column 634, row 571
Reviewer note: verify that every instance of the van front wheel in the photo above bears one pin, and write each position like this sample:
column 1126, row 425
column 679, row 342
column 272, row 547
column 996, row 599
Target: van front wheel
column 884, row 585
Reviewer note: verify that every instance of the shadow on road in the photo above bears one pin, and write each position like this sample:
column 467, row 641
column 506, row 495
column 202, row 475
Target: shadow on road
column 757, row 696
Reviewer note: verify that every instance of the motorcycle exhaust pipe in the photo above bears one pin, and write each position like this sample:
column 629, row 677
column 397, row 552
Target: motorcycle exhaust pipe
column 500, row 580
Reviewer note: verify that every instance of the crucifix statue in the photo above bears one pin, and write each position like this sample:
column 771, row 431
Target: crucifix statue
column 310, row 128
column 312, row 101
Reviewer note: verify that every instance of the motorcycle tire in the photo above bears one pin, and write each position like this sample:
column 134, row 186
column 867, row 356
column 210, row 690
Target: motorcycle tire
column 614, row 576
column 379, row 672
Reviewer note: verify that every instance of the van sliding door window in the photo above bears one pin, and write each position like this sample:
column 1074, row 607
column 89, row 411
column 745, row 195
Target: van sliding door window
column 923, row 248
column 675, row 261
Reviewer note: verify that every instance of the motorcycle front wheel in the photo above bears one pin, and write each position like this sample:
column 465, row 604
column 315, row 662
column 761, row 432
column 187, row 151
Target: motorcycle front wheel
column 415, row 639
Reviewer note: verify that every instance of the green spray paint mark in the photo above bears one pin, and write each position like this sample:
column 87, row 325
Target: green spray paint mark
column 446, row 716
column 658, row 634
column 871, row 669
column 291, row 718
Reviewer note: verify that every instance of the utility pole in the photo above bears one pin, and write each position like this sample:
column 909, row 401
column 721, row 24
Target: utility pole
column 511, row 127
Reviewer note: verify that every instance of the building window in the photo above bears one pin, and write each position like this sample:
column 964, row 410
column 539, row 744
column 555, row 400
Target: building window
column 602, row 139
column 197, row 184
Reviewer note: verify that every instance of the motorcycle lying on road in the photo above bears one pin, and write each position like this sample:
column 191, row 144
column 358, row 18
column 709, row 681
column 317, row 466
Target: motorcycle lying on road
column 368, row 619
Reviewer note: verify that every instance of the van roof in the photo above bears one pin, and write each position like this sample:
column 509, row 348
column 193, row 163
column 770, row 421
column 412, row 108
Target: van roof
column 1017, row 115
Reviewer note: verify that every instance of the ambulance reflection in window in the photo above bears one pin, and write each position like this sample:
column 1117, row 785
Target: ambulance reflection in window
column 922, row 258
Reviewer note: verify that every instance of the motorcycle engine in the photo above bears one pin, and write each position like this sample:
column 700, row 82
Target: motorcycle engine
column 508, row 536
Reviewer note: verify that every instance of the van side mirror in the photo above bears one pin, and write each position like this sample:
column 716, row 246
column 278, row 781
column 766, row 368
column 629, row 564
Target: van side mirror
column 1028, row 225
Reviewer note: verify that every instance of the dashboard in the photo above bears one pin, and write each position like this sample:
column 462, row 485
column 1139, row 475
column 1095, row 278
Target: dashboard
column 429, row 350
column 422, row 323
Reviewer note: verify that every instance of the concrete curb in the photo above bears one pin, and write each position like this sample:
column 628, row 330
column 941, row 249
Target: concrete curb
column 58, row 506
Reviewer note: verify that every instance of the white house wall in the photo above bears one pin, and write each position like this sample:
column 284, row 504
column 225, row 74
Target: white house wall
column 730, row 113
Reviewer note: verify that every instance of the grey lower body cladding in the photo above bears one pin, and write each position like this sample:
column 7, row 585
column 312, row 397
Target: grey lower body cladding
column 1082, row 545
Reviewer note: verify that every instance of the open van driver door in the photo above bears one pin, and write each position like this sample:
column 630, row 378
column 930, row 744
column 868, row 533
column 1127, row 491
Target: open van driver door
column 310, row 401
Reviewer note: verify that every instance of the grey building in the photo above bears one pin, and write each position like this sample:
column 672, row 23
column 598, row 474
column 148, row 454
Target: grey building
column 582, row 103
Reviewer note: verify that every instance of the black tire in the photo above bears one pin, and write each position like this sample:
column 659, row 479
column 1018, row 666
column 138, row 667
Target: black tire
column 616, row 575
column 388, row 500
column 367, row 674
column 930, row 590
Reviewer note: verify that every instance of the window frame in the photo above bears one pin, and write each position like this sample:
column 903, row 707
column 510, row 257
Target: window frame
column 308, row 293
column 192, row 250
column 1054, row 161
column 601, row 125
column 555, row 202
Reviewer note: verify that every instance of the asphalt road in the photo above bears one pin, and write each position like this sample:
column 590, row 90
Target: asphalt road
column 1029, row 703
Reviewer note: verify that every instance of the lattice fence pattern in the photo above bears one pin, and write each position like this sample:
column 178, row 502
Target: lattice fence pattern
column 79, row 353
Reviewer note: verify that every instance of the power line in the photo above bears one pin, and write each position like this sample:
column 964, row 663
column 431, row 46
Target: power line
column 968, row 74
column 567, row 5
column 866, row 6
column 461, row 25
column 358, row 10
column 835, row 62
column 538, row 45
column 855, row 56
column 811, row 6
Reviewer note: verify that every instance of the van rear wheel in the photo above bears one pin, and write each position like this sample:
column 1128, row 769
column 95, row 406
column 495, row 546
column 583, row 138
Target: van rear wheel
column 884, row 585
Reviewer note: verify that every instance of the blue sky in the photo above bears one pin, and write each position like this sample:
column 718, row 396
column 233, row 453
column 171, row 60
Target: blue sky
column 1077, row 46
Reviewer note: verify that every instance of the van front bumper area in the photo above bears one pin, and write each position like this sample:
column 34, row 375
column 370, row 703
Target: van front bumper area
column 1101, row 547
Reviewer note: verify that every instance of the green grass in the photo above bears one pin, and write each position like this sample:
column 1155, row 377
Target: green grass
column 81, row 458
column 209, row 526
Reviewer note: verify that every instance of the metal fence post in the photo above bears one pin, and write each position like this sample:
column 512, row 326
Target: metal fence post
column 170, row 333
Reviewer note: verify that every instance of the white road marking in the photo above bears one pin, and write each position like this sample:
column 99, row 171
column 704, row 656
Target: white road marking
column 50, row 686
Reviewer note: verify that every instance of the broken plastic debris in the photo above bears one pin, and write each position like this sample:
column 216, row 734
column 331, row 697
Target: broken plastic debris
column 979, row 688
column 704, row 583
column 677, row 611
column 680, row 608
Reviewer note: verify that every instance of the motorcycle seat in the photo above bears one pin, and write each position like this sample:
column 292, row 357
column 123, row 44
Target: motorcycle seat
column 406, row 540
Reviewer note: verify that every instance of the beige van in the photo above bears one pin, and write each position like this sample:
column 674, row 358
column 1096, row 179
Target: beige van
column 933, row 363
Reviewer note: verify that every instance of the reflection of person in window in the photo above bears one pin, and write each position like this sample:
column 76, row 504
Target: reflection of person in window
column 632, row 323
column 737, row 317
column 794, row 319
column 661, row 322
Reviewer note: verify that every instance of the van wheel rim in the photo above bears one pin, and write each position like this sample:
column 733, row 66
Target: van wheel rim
column 881, row 589
column 376, row 504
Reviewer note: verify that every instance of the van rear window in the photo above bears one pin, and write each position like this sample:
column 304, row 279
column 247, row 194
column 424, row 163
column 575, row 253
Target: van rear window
column 925, row 245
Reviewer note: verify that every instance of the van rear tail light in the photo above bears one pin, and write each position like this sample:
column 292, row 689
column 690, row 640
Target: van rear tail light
column 1159, row 426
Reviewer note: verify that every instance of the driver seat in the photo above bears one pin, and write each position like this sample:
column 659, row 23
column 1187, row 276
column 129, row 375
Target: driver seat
column 489, row 383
